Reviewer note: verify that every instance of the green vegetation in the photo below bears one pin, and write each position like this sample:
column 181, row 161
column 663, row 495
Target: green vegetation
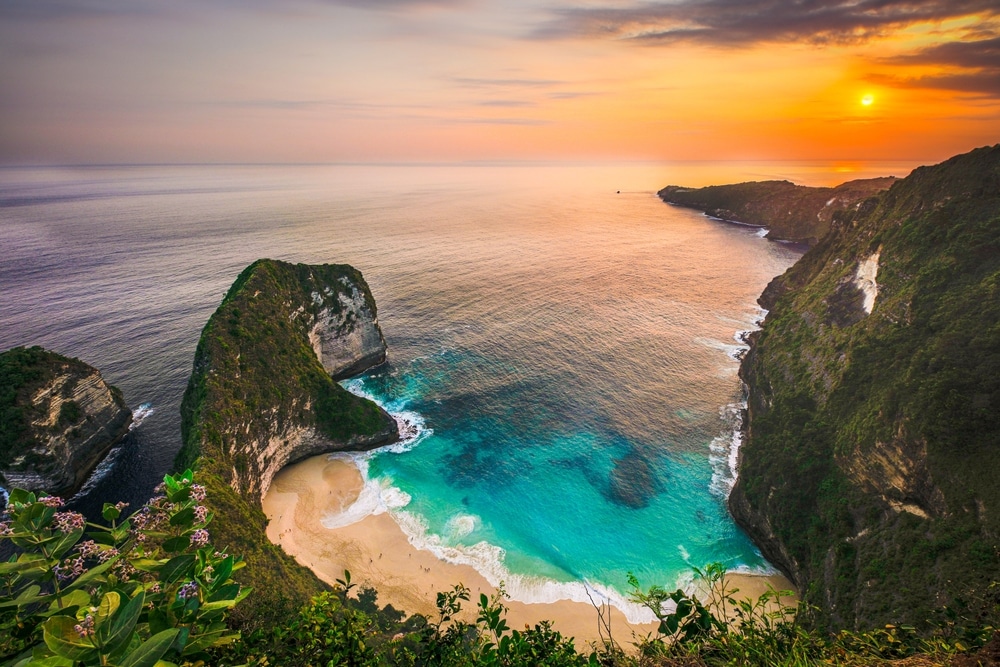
column 256, row 379
column 872, row 448
column 149, row 590
column 152, row 590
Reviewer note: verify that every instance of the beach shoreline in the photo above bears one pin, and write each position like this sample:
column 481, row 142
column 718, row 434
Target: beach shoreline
column 378, row 554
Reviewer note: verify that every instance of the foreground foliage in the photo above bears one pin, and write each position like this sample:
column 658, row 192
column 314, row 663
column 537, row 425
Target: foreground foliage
column 152, row 591
column 149, row 590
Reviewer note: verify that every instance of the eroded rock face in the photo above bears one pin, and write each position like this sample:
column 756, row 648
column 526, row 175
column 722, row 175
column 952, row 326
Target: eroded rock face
column 67, row 419
column 347, row 338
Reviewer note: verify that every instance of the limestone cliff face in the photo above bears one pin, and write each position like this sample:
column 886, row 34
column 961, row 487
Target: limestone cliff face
column 347, row 339
column 62, row 419
column 261, row 393
column 790, row 212
column 869, row 472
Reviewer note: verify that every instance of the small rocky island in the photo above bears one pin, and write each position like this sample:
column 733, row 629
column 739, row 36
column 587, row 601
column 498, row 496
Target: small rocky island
column 60, row 418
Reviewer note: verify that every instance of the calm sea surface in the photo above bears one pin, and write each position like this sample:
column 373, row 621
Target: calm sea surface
column 568, row 350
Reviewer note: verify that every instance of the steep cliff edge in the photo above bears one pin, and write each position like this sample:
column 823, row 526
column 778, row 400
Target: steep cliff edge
column 870, row 471
column 58, row 419
column 790, row 212
column 261, row 396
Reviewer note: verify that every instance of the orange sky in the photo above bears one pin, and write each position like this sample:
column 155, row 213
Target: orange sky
column 443, row 80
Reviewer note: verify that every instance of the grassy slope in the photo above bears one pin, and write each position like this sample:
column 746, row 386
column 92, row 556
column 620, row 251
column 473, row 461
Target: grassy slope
column 254, row 369
column 922, row 370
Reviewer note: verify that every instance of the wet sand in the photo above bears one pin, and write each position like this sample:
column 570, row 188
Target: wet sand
column 378, row 553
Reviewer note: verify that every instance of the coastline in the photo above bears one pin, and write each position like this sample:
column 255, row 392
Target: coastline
column 378, row 553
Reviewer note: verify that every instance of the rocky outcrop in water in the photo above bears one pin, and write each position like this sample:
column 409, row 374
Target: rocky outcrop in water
column 870, row 468
column 790, row 212
column 59, row 419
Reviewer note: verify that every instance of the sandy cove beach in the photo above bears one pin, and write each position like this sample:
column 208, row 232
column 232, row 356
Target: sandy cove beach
column 378, row 553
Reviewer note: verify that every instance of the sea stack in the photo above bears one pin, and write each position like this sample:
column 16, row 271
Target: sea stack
column 59, row 419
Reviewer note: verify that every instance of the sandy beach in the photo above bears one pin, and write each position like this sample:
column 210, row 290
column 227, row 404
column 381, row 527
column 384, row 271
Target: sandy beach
column 377, row 552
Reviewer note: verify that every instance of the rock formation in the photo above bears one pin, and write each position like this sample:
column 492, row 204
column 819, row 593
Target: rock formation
column 790, row 212
column 261, row 393
column 59, row 419
column 870, row 469
column 261, row 396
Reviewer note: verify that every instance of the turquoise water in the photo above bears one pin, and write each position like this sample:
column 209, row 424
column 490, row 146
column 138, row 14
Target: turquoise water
column 568, row 351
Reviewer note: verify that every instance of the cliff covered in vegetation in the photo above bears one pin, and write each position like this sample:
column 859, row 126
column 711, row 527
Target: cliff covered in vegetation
column 59, row 419
column 790, row 212
column 261, row 396
column 870, row 473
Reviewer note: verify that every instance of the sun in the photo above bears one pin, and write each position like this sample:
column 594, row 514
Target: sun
column 867, row 100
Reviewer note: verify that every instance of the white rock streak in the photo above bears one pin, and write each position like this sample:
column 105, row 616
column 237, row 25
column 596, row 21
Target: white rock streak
column 864, row 280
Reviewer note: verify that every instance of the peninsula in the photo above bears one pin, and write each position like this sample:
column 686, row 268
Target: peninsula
column 262, row 395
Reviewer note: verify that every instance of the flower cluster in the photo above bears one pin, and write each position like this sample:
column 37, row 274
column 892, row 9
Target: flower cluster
column 85, row 628
column 199, row 538
column 88, row 548
column 200, row 514
column 51, row 501
column 67, row 522
column 188, row 590
column 197, row 492
column 71, row 568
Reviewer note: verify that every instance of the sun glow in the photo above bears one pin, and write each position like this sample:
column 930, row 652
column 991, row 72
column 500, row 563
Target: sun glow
column 867, row 100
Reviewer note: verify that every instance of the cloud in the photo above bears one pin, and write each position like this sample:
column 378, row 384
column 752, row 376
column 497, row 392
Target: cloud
column 971, row 66
column 504, row 83
column 72, row 9
column 744, row 22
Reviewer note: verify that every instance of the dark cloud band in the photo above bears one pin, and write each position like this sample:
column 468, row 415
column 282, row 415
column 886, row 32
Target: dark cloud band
column 742, row 22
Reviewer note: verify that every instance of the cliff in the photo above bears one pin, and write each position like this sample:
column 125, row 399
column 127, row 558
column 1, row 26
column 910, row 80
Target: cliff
column 790, row 212
column 869, row 472
column 261, row 396
column 58, row 419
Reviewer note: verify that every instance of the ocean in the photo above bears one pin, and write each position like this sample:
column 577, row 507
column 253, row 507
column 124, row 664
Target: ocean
column 565, row 344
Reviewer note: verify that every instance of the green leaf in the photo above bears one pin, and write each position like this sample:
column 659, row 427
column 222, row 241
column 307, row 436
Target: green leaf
column 150, row 651
column 23, row 562
column 92, row 575
column 183, row 518
column 177, row 567
column 64, row 641
column 77, row 598
column 110, row 512
column 227, row 592
column 222, row 572
column 124, row 622
column 109, row 604
column 176, row 544
column 146, row 564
